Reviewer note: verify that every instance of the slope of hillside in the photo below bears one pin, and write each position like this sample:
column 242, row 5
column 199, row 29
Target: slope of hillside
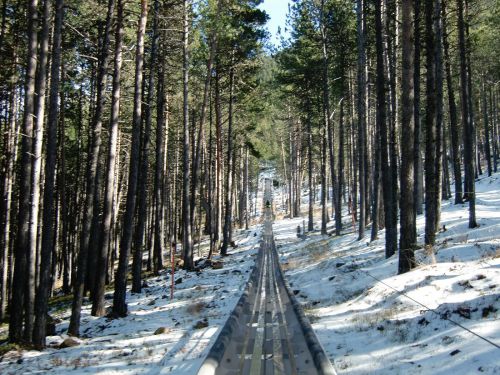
column 441, row 318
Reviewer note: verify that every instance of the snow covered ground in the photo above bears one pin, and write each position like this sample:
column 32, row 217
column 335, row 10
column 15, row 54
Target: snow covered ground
column 372, row 321
column 189, row 325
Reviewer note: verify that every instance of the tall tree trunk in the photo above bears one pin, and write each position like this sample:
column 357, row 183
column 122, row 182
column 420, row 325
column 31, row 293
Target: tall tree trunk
column 159, row 182
column 203, row 114
column 11, row 143
column 466, row 118
column 143, row 170
column 431, row 177
column 41, row 87
column 219, row 173
column 98, row 308
column 408, row 228
column 42, row 296
column 452, row 110
column 187, row 241
column 64, row 193
column 324, row 212
column 310, row 220
column 91, row 176
column 388, row 191
column 361, row 117
column 230, row 162
column 340, row 179
column 418, row 157
column 438, row 53
column 119, row 297
column 494, row 120
column 376, row 184
column 391, row 21
column 487, row 147
column 22, row 244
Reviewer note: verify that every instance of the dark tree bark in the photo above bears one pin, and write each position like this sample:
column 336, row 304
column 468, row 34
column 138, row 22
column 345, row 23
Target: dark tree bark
column 466, row 118
column 203, row 115
column 42, row 295
column 38, row 131
column 494, row 119
column 98, row 308
column 446, row 190
column 376, row 184
column 418, row 167
column 19, row 282
column 310, row 220
column 487, row 147
column 6, row 203
column 119, row 297
column 452, row 110
column 64, row 193
column 340, row 179
column 361, row 109
column 219, row 165
column 432, row 178
column 144, row 168
column 408, row 228
column 438, row 53
column 91, row 177
column 159, row 182
column 226, row 238
column 187, row 241
column 388, row 191
column 324, row 212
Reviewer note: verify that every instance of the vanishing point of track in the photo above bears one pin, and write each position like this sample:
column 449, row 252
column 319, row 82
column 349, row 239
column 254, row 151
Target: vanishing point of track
column 265, row 333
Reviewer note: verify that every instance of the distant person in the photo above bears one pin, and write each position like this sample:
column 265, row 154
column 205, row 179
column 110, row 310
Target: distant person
column 268, row 204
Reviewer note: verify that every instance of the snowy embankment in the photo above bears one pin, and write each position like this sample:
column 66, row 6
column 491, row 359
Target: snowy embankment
column 372, row 321
column 159, row 335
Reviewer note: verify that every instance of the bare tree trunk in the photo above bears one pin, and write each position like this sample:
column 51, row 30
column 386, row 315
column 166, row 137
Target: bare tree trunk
column 388, row 191
column 187, row 241
column 229, row 177
column 143, row 170
column 408, row 229
column 11, row 143
column 324, row 213
column 466, row 119
column 361, row 117
column 63, row 199
column 91, row 177
column 432, row 180
column 22, row 246
column 159, row 183
column 219, row 173
column 119, row 297
column 494, row 119
column 41, row 87
column 487, row 147
column 310, row 221
column 42, row 296
column 418, row 157
column 376, row 185
column 98, row 308
column 340, row 179
column 455, row 142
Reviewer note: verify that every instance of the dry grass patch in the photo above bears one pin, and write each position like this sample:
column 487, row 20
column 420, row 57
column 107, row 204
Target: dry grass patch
column 370, row 320
column 196, row 308
column 292, row 264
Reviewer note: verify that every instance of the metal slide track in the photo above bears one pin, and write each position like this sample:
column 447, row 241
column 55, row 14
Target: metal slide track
column 267, row 333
